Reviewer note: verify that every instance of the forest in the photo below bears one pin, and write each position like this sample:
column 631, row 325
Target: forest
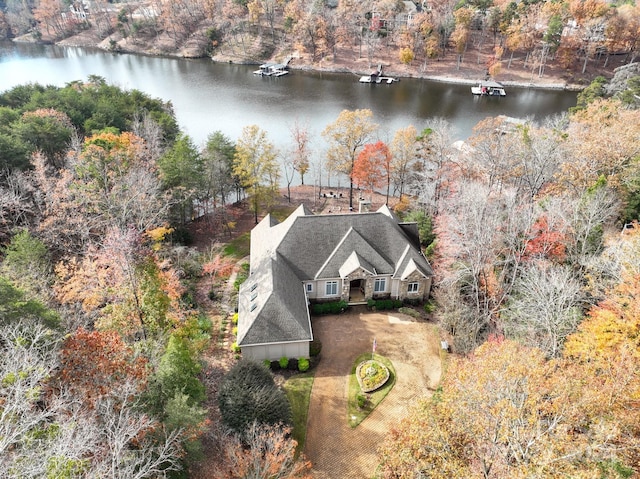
column 569, row 35
column 531, row 229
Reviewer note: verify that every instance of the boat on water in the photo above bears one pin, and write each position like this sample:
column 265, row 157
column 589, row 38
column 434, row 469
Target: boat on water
column 377, row 77
column 488, row 88
column 272, row 70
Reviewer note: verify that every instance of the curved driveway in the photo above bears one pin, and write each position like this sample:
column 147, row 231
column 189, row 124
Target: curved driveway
column 335, row 450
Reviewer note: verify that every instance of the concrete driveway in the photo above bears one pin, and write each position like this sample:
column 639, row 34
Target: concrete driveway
column 336, row 450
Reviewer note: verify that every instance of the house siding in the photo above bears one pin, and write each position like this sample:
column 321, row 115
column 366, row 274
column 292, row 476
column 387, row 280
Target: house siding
column 273, row 352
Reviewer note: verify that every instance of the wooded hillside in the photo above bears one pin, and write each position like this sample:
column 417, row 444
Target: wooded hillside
column 576, row 39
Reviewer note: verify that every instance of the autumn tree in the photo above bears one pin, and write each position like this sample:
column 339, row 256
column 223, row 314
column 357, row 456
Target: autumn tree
column 500, row 417
column 438, row 164
column 301, row 153
column 256, row 166
column 372, row 168
column 121, row 287
column 116, row 184
column 49, row 14
column 601, row 142
column 263, row 452
column 404, row 150
column 347, row 136
column 95, row 364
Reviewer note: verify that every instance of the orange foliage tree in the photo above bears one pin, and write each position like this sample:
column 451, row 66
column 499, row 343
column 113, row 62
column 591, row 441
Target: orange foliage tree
column 506, row 411
column 95, row 363
column 372, row 168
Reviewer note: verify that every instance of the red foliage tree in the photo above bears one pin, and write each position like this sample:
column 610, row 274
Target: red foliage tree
column 372, row 168
column 96, row 363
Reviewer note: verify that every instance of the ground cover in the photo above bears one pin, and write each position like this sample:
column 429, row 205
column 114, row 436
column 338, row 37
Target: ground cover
column 357, row 409
column 298, row 389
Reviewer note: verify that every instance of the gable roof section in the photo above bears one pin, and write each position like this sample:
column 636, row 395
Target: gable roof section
column 352, row 242
column 273, row 306
column 354, row 262
column 318, row 246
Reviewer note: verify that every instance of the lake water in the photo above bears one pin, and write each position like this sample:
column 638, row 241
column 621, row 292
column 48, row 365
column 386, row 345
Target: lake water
column 208, row 96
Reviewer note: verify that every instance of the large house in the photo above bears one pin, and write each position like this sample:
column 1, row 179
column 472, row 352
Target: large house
column 313, row 258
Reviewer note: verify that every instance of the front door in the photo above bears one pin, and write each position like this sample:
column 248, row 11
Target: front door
column 356, row 291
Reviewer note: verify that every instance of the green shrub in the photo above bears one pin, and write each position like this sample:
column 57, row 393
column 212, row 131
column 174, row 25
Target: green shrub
column 315, row 347
column 333, row 307
column 409, row 312
column 362, row 400
column 234, row 318
column 429, row 307
column 303, row 365
column 248, row 393
column 267, row 363
column 235, row 348
column 384, row 304
column 235, row 330
column 284, row 362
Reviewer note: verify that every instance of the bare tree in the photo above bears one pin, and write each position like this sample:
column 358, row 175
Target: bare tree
column 545, row 307
column 264, row 452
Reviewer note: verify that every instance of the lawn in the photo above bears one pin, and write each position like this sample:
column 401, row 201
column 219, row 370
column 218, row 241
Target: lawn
column 358, row 414
column 298, row 389
column 239, row 247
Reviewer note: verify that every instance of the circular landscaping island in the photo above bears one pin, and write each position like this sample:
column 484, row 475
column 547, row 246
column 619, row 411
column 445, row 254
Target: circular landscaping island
column 371, row 375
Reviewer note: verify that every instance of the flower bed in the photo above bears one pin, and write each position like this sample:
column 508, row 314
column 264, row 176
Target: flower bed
column 371, row 375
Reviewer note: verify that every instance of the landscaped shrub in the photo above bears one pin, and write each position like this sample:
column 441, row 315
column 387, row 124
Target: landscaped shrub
column 235, row 348
column 267, row 363
column 412, row 301
column 235, row 330
column 293, row 364
column 384, row 304
column 234, row 318
column 334, row 307
column 362, row 400
column 409, row 312
column 248, row 393
column 315, row 347
column 303, row 365
column 429, row 307
column 284, row 362
column 275, row 365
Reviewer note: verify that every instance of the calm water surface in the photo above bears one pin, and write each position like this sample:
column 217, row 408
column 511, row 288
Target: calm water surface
column 208, row 96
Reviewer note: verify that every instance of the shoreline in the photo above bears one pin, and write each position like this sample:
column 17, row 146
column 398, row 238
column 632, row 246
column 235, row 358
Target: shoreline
column 550, row 84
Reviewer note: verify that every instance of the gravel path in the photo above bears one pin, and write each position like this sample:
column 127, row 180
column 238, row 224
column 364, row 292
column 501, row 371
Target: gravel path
column 336, row 450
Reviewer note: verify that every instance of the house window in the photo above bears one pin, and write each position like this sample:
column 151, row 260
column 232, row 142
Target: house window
column 413, row 287
column 380, row 285
column 309, row 287
column 332, row 288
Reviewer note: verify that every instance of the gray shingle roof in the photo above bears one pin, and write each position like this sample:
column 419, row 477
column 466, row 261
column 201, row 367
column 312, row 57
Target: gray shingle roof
column 273, row 303
column 377, row 237
column 273, row 306
column 352, row 242
column 354, row 262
